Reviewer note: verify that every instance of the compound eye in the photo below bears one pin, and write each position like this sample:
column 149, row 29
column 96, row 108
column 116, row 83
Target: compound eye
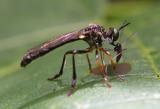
column 116, row 35
column 115, row 31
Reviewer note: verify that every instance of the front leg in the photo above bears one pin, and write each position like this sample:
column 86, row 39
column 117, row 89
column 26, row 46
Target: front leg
column 99, row 61
column 102, row 67
column 113, row 63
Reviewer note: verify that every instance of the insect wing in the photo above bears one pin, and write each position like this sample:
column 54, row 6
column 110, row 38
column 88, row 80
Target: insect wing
column 120, row 69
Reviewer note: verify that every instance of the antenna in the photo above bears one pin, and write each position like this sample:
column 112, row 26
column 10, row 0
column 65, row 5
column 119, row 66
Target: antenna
column 124, row 24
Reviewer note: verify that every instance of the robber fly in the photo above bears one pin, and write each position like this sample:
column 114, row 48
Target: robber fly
column 94, row 35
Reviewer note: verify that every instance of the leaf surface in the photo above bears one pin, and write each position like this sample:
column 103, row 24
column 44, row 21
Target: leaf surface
column 28, row 88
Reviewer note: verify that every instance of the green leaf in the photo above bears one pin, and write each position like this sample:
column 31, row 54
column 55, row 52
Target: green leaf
column 28, row 88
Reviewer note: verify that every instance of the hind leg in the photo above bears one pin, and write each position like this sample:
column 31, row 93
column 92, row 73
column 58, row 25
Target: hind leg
column 61, row 70
column 64, row 59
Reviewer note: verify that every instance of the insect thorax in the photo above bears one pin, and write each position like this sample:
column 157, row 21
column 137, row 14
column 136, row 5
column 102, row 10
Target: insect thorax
column 94, row 34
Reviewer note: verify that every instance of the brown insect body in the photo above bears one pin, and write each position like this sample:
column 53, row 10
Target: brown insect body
column 89, row 34
column 94, row 35
column 48, row 46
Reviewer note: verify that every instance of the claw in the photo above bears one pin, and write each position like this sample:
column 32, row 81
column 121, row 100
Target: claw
column 70, row 92
column 51, row 79
column 55, row 77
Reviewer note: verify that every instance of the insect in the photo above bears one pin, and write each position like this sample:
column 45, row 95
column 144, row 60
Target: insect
column 95, row 35
column 119, row 71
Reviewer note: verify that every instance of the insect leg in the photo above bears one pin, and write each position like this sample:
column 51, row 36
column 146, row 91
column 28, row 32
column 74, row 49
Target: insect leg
column 73, row 52
column 89, row 63
column 74, row 76
column 100, row 64
column 102, row 57
column 105, row 78
column 61, row 70
column 64, row 58
column 109, row 56
column 102, row 67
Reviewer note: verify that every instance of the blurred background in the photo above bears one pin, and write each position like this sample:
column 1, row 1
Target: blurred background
column 27, row 23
